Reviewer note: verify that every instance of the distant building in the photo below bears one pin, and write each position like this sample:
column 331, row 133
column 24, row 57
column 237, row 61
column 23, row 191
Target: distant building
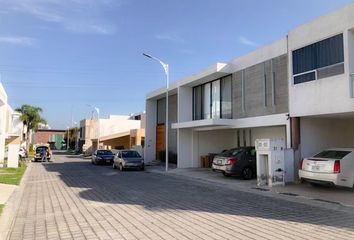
column 115, row 132
column 55, row 138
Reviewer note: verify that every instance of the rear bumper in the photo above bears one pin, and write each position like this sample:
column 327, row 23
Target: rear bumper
column 104, row 161
column 133, row 165
column 229, row 169
column 329, row 178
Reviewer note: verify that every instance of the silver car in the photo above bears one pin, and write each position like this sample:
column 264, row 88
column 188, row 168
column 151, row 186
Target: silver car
column 128, row 159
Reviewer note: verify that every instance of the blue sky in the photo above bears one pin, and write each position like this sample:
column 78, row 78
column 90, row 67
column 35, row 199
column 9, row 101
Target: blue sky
column 62, row 55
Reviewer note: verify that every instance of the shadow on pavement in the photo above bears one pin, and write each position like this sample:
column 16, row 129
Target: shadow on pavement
column 160, row 193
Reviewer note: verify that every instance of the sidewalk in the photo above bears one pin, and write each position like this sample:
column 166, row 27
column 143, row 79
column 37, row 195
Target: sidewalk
column 6, row 191
column 330, row 196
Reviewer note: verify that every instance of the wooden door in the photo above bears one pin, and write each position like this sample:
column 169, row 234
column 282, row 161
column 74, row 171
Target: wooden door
column 160, row 139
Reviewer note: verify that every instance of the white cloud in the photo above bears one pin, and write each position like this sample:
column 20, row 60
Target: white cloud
column 247, row 42
column 79, row 16
column 17, row 40
column 172, row 36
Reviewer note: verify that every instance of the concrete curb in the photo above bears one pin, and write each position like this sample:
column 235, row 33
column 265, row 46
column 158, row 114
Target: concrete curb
column 7, row 218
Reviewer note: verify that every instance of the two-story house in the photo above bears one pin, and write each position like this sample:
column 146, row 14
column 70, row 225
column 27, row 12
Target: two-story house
column 299, row 89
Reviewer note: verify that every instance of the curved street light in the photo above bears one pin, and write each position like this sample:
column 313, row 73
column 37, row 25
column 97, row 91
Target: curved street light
column 166, row 69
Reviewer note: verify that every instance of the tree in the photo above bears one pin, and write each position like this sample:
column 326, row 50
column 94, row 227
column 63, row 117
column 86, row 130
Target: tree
column 31, row 118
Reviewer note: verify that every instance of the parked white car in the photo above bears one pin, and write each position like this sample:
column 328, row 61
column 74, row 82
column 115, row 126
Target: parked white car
column 332, row 166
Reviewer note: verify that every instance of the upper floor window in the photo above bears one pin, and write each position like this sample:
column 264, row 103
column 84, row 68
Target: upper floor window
column 213, row 99
column 319, row 60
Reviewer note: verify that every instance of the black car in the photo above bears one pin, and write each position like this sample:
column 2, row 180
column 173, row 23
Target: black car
column 102, row 157
column 237, row 161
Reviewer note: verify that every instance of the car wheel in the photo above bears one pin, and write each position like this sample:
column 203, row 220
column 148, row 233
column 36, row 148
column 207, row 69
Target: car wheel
column 114, row 166
column 142, row 168
column 226, row 174
column 315, row 184
column 121, row 167
column 247, row 173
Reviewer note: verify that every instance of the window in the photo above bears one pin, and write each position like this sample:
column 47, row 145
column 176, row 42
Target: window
column 161, row 111
column 226, row 97
column 197, row 98
column 332, row 154
column 308, row 60
column 213, row 99
column 206, row 101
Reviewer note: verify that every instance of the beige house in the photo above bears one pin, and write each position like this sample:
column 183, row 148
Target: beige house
column 115, row 132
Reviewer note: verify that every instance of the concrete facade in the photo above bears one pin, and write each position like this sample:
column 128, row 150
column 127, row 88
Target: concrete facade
column 265, row 99
column 259, row 107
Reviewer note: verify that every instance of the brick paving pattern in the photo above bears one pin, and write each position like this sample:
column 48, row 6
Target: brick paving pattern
column 72, row 199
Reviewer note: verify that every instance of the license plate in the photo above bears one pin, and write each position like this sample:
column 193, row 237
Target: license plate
column 108, row 160
column 219, row 161
column 316, row 168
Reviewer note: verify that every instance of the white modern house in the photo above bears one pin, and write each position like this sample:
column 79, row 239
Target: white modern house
column 298, row 89
column 11, row 129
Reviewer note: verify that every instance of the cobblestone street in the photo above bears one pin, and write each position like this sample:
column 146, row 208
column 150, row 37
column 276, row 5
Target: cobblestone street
column 72, row 199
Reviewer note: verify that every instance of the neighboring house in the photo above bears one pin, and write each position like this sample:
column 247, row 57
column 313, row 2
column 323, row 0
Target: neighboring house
column 321, row 77
column 55, row 138
column 299, row 89
column 115, row 132
column 11, row 132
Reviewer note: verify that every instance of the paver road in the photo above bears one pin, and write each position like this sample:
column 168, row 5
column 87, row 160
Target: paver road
column 72, row 199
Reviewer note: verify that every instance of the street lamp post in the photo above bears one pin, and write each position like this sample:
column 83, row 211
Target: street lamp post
column 166, row 69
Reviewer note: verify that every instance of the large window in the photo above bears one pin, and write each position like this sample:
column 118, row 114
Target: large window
column 226, row 97
column 319, row 60
column 213, row 99
column 206, row 101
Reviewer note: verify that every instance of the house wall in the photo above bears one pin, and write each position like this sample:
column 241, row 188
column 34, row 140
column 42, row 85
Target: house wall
column 115, row 124
column 194, row 144
column 117, row 142
column 150, row 130
column 317, row 134
column 172, row 118
column 331, row 94
column 258, row 89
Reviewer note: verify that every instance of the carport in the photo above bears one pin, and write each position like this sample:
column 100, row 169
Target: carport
column 198, row 138
column 326, row 131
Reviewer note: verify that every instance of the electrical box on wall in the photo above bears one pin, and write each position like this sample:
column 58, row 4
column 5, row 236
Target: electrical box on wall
column 270, row 162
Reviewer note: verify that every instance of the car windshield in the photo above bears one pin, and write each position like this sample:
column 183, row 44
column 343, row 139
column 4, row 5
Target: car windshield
column 231, row 152
column 104, row 152
column 333, row 154
column 130, row 154
column 40, row 149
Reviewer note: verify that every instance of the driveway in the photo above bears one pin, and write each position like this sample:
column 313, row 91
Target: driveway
column 72, row 199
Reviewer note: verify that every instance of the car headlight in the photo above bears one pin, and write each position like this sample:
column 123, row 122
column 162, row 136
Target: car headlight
column 98, row 158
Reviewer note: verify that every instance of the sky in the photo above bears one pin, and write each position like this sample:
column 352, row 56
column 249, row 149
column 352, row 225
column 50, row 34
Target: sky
column 65, row 55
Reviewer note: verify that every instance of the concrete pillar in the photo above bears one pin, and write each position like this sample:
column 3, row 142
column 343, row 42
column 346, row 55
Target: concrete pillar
column 150, row 130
